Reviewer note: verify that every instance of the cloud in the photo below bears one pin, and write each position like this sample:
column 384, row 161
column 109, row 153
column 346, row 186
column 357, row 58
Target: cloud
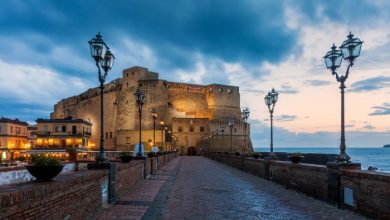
column 317, row 82
column 368, row 127
column 287, row 89
column 285, row 138
column 381, row 110
column 371, row 84
column 35, row 86
column 284, row 118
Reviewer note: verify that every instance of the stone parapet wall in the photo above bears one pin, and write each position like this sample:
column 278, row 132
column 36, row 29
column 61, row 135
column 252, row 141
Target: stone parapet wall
column 339, row 184
column 371, row 192
column 74, row 195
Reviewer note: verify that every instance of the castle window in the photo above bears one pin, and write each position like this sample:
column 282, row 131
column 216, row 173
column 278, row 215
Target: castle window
column 106, row 135
column 127, row 84
column 219, row 89
column 57, row 128
column 191, row 129
column 110, row 135
column 127, row 74
column 235, row 130
column 63, row 128
column 132, row 73
column 140, row 85
column 201, row 129
column 229, row 90
column 127, row 140
column 180, row 129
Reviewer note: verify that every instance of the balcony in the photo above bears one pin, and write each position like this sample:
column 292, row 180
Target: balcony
column 62, row 134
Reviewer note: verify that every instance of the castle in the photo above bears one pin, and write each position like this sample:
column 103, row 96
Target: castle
column 191, row 118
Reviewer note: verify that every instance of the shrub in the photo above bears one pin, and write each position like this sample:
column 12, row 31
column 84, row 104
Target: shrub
column 256, row 155
column 151, row 154
column 22, row 158
column 71, row 150
column 226, row 153
column 124, row 153
column 41, row 160
column 237, row 154
column 296, row 154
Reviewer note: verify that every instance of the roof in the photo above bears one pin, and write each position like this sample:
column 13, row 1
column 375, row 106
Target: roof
column 13, row 121
column 81, row 121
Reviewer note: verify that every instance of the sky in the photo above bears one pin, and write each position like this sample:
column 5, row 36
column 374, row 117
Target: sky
column 256, row 45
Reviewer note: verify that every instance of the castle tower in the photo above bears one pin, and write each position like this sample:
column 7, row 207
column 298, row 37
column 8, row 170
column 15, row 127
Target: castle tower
column 191, row 114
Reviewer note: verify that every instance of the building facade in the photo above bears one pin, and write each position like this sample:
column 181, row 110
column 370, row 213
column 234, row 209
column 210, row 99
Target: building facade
column 13, row 138
column 191, row 113
column 57, row 134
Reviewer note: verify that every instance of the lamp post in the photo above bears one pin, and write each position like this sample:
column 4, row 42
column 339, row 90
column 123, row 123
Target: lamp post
column 231, row 125
column 154, row 115
column 162, row 133
column 104, row 59
column 165, row 137
column 245, row 115
column 222, row 131
column 349, row 50
column 270, row 99
column 140, row 100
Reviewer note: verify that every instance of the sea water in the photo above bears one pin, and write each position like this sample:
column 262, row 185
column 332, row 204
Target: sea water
column 375, row 157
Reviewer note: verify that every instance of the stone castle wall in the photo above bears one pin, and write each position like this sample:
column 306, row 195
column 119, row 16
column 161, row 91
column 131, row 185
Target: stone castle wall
column 171, row 99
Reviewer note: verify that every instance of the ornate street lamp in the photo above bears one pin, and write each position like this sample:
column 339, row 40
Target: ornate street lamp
column 231, row 125
column 349, row 50
column 162, row 133
column 154, row 115
column 245, row 115
column 104, row 59
column 222, row 129
column 140, row 99
column 270, row 99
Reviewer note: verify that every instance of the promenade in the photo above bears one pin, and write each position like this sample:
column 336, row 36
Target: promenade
column 199, row 188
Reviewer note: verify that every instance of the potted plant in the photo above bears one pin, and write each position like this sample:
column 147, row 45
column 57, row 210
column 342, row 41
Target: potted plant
column 125, row 157
column 44, row 168
column 295, row 157
column 151, row 154
column 256, row 155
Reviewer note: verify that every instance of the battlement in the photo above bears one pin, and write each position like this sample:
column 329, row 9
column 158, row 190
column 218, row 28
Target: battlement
column 185, row 87
column 136, row 73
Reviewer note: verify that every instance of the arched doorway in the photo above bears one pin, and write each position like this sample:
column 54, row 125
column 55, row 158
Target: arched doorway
column 191, row 151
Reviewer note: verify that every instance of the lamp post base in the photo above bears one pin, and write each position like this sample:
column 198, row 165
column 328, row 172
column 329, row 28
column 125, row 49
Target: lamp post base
column 102, row 158
column 343, row 158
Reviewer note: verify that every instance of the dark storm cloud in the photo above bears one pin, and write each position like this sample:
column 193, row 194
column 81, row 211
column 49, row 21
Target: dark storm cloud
column 371, row 84
column 245, row 31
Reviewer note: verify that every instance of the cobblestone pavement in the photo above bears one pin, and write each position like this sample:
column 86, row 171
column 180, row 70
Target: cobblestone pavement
column 143, row 199
column 199, row 188
column 205, row 189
